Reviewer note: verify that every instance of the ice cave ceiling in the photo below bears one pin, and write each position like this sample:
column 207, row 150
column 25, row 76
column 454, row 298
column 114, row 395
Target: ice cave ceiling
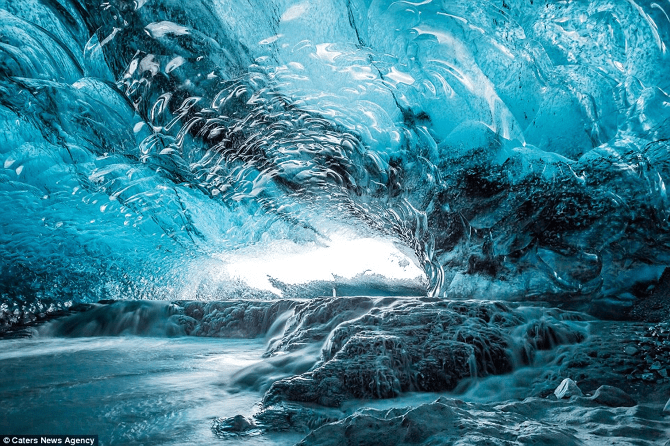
column 514, row 149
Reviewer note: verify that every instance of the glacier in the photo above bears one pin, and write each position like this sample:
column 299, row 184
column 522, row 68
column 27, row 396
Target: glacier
column 479, row 185
column 512, row 150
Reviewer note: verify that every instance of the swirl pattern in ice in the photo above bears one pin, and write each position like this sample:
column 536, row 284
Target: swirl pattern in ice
column 518, row 149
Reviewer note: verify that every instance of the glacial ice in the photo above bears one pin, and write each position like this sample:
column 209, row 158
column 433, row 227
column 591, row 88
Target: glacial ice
column 518, row 150
column 567, row 389
column 513, row 152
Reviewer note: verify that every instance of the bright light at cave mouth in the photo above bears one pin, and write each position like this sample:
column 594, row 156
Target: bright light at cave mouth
column 343, row 257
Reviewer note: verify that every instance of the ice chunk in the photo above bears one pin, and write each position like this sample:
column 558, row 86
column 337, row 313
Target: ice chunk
column 567, row 389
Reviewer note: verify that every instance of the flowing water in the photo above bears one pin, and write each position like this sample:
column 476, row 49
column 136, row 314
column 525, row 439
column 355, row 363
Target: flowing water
column 127, row 390
column 127, row 372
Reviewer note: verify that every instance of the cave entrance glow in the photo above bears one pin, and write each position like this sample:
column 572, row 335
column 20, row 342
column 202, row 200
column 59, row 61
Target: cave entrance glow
column 342, row 258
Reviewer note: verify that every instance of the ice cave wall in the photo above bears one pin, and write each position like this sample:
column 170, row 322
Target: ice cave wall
column 518, row 148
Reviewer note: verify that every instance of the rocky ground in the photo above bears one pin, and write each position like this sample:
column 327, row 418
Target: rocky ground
column 376, row 349
column 497, row 373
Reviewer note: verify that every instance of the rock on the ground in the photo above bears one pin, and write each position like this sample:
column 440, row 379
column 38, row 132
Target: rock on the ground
column 613, row 397
column 225, row 427
column 233, row 426
column 442, row 422
column 234, row 318
column 380, row 348
column 567, row 388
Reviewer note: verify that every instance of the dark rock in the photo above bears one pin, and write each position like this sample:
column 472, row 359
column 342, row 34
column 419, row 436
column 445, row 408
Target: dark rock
column 294, row 417
column 236, row 425
column 380, row 348
column 648, row 377
column 545, row 335
column 314, row 320
column 613, row 397
column 234, row 319
column 655, row 307
column 441, row 422
column 630, row 350
column 141, row 318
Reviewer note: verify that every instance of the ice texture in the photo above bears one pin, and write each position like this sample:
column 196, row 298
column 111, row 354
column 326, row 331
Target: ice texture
column 516, row 149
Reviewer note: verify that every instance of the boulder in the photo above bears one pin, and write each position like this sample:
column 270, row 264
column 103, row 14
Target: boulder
column 613, row 397
column 225, row 427
column 375, row 348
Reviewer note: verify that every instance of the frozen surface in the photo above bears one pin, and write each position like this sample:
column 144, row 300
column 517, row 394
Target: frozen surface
column 127, row 390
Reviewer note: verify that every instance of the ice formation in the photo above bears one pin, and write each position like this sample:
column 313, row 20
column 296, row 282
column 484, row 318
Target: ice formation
column 508, row 157
column 518, row 149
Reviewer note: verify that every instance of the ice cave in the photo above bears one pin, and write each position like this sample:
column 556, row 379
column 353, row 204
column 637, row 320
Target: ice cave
column 335, row 222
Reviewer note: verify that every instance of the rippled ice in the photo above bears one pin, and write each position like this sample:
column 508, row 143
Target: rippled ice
column 207, row 150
